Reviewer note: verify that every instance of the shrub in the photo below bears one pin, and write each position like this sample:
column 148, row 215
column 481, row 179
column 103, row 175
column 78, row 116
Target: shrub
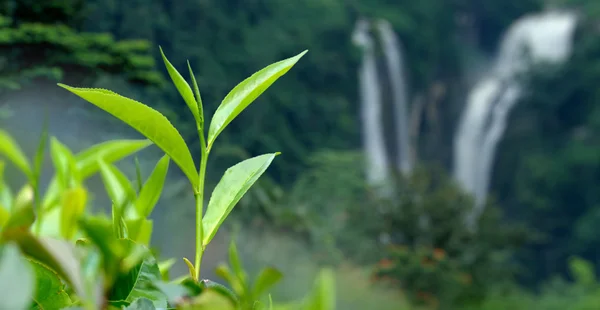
column 54, row 254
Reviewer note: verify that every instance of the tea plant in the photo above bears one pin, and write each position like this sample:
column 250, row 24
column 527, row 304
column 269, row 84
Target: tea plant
column 55, row 255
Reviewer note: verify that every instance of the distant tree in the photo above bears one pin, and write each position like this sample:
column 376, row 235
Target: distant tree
column 43, row 40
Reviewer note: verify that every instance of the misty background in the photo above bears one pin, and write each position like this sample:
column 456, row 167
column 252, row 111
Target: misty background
column 440, row 154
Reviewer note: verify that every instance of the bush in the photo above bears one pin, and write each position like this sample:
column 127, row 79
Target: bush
column 54, row 254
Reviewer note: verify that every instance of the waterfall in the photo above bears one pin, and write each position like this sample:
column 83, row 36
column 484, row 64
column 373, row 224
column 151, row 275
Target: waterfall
column 395, row 64
column 543, row 37
column 377, row 169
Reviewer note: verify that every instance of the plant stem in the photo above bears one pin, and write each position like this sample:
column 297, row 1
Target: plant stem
column 199, row 195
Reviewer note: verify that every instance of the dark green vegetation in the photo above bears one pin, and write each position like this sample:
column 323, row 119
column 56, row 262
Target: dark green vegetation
column 545, row 179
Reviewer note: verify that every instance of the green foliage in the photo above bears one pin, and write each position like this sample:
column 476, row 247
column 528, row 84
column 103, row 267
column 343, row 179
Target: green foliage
column 19, row 284
column 236, row 181
column 249, row 295
column 558, row 294
column 30, row 27
column 555, row 128
column 418, row 235
column 95, row 262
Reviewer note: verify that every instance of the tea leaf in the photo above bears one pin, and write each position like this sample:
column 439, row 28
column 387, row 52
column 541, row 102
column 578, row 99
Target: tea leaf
column 241, row 96
column 24, row 197
column 73, row 206
column 223, row 271
column 109, row 152
column 174, row 292
column 63, row 161
column 138, row 174
column 91, row 270
column 87, row 162
column 236, row 264
column 117, row 185
column 267, row 278
column 183, row 87
column 193, row 286
column 152, row 189
column 12, row 151
column 164, row 268
column 6, row 197
column 323, row 295
column 137, row 283
column 198, row 97
column 141, row 304
column 38, row 162
column 50, row 223
column 211, row 299
column 220, row 288
column 147, row 121
column 233, row 185
column 139, row 230
column 4, row 215
column 16, row 279
column 57, row 254
column 99, row 231
column 50, row 292
column 21, row 219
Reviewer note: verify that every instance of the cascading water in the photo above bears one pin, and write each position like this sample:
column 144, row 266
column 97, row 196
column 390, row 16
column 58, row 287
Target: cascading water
column 395, row 64
column 371, row 108
column 543, row 37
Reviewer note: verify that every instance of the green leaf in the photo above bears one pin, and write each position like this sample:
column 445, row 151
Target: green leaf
column 220, row 288
column 137, row 283
column 24, row 197
column 100, row 231
column 267, row 278
column 164, row 268
column 193, row 286
column 12, row 151
column 50, row 292
column 39, row 154
column 141, row 304
column 236, row 265
column 198, row 99
column 73, row 206
column 57, row 254
column 183, row 87
column 63, row 160
column 147, row 121
column 16, row 279
column 38, row 164
column 117, row 185
column 4, row 215
column 6, row 197
column 109, row 152
column 139, row 230
column 323, row 295
column 241, row 96
column 233, row 185
column 87, row 162
column 211, row 299
column 138, row 174
column 225, row 273
column 153, row 188
column 21, row 219
column 174, row 292
column 91, row 270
